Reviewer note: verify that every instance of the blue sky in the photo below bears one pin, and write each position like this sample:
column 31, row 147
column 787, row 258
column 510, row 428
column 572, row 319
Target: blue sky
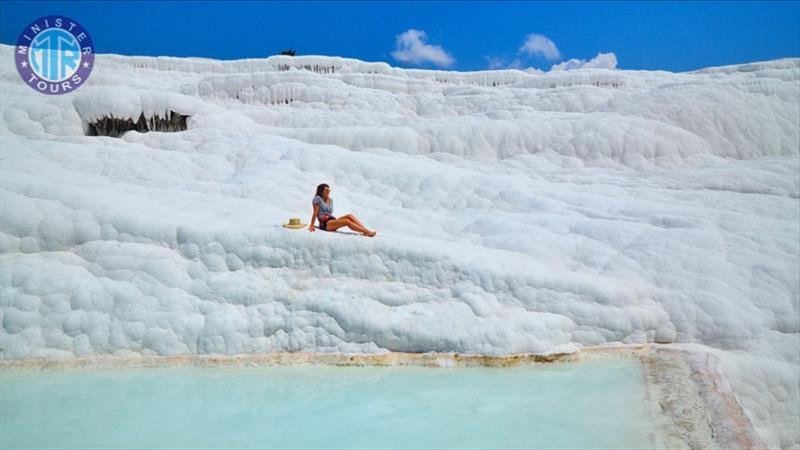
column 673, row 36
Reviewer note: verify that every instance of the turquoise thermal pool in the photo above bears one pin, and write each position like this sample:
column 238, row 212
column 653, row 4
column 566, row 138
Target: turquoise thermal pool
column 590, row 404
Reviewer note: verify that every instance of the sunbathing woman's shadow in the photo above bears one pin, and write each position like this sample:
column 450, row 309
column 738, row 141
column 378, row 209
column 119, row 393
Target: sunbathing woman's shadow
column 318, row 230
column 345, row 232
column 340, row 231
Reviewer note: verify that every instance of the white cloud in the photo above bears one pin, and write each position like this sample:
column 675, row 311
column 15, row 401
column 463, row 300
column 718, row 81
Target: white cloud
column 495, row 62
column 601, row 61
column 536, row 44
column 410, row 47
column 502, row 62
column 540, row 45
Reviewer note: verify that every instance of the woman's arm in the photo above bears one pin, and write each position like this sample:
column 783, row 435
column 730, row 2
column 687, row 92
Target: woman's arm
column 313, row 218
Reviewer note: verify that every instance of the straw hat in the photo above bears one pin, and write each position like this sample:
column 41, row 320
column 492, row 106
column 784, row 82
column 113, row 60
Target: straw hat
column 294, row 222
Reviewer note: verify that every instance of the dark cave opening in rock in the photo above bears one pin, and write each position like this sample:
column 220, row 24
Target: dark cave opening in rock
column 116, row 126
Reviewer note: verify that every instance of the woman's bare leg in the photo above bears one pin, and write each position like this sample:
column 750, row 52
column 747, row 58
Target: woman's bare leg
column 335, row 224
column 355, row 226
column 355, row 219
column 358, row 222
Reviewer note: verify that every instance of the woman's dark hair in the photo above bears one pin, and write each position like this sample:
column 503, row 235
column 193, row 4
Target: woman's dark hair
column 321, row 188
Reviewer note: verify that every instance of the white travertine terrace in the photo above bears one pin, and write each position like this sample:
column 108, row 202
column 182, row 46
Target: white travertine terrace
column 517, row 212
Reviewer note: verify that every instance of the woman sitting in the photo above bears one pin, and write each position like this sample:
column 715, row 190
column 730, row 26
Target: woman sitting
column 323, row 211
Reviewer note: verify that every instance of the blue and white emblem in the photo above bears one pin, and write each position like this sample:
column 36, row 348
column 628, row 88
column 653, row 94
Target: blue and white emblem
column 54, row 55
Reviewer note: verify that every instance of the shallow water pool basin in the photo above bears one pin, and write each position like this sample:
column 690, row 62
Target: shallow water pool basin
column 588, row 404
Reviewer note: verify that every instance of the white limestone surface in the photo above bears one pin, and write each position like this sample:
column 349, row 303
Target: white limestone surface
column 516, row 212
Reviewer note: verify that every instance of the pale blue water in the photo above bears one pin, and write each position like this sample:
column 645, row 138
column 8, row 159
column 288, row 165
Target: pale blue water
column 593, row 404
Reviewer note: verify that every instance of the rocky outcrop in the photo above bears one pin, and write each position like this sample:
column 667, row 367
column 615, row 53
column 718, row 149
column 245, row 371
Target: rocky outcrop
column 116, row 126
